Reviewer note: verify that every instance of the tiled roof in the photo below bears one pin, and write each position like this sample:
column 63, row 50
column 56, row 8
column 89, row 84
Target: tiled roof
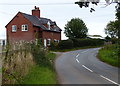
column 39, row 22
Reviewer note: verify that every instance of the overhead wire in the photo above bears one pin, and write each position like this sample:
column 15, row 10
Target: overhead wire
column 41, row 3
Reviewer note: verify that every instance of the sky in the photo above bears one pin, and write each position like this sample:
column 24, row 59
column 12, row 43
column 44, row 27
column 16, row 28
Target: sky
column 60, row 11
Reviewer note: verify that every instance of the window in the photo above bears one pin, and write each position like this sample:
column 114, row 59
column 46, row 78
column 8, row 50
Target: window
column 48, row 25
column 24, row 27
column 48, row 42
column 14, row 28
column 55, row 40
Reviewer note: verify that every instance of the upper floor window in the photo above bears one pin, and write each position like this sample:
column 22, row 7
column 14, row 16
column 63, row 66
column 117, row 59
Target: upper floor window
column 14, row 28
column 48, row 25
column 24, row 27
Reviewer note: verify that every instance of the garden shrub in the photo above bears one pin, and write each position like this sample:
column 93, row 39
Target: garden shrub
column 65, row 44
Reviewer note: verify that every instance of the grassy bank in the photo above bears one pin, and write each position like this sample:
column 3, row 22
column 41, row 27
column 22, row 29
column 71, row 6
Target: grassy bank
column 109, row 54
column 41, row 74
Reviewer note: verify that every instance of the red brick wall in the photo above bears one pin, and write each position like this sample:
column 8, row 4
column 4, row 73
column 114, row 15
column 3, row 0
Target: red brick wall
column 20, row 35
column 29, row 35
column 51, row 35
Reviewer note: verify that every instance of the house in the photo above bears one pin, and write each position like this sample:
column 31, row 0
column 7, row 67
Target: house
column 31, row 27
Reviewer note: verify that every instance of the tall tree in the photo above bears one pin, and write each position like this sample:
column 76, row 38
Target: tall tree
column 112, row 29
column 118, row 19
column 76, row 28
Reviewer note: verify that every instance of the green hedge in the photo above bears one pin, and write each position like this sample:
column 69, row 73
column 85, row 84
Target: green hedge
column 87, row 42
column 68, row 44
column 65, row 44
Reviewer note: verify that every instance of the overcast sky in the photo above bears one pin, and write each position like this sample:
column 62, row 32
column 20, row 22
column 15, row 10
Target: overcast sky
column 60, row 11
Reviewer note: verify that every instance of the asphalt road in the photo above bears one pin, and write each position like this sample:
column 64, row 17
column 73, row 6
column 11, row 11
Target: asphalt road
column 82, row 67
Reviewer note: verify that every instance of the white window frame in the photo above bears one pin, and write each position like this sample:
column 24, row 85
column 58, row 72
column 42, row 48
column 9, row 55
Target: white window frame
column 23, row 27
column 48, row 42
column 14, row 28
column 55, row 40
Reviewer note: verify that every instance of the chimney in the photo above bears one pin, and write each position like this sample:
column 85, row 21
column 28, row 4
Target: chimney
column 36, row 12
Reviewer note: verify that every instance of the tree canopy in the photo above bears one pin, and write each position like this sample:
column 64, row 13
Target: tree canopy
column 118, row 19
column 76, row 28
column 85, row 3
column 112, row 29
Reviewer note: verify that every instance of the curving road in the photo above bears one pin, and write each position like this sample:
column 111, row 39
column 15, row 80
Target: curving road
column 82, row 67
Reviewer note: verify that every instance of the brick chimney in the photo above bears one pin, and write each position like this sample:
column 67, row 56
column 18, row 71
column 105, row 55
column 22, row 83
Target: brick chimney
column 36, row 12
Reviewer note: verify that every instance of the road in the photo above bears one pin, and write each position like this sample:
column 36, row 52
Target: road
column 82, row 67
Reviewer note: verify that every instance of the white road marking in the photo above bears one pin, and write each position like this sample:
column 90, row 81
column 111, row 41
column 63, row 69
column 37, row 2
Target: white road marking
column 77, row 60
column 87, row 68
column 77, row 55
column 109, row 80
column 85, row 51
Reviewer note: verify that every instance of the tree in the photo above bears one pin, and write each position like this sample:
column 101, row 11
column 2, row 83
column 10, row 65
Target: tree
column 112, row 29
column 85, row 3
column 118, row 19
column 76, row 28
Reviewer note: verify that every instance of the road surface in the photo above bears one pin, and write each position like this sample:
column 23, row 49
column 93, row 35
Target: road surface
column 82, row 67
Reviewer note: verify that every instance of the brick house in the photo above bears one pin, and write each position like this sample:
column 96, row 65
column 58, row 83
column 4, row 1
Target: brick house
column 31, row 27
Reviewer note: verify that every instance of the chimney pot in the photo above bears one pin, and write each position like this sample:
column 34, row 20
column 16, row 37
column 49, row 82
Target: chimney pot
column 36, row 12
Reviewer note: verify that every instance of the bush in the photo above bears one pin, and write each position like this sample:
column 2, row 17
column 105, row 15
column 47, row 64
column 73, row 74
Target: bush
column 87, row 42
column 53, row 46
column 65, row 44
column 114, row 40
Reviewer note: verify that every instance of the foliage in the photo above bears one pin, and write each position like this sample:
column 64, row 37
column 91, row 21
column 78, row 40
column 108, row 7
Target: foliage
column 77, row 43
column 109, row 54
column 87, row 42
column 118, row 19
column 112, row 29
column 75, row 28
column 86, row 3
column 65, row 44
column 114, row 40
column 118, row 11
column 53, row 46
column 41, row 75
column 19, row 58
column 107, row 38
column 16, row 63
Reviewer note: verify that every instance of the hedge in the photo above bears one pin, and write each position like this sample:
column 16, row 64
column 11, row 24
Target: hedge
column 68, row 44
column 65, row 44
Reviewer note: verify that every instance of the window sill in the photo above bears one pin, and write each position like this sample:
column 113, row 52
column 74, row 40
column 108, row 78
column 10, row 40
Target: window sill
column 25, row 31
column 13, row 31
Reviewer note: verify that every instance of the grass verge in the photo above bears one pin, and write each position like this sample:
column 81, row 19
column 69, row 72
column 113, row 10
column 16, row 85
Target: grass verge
column 41, row 74
column 109, row 54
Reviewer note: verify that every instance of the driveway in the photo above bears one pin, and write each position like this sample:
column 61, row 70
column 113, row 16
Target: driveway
column 82, row 67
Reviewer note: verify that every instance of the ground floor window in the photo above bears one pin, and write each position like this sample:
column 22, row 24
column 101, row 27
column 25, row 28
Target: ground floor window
column 48, row 42
column 56, row 41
